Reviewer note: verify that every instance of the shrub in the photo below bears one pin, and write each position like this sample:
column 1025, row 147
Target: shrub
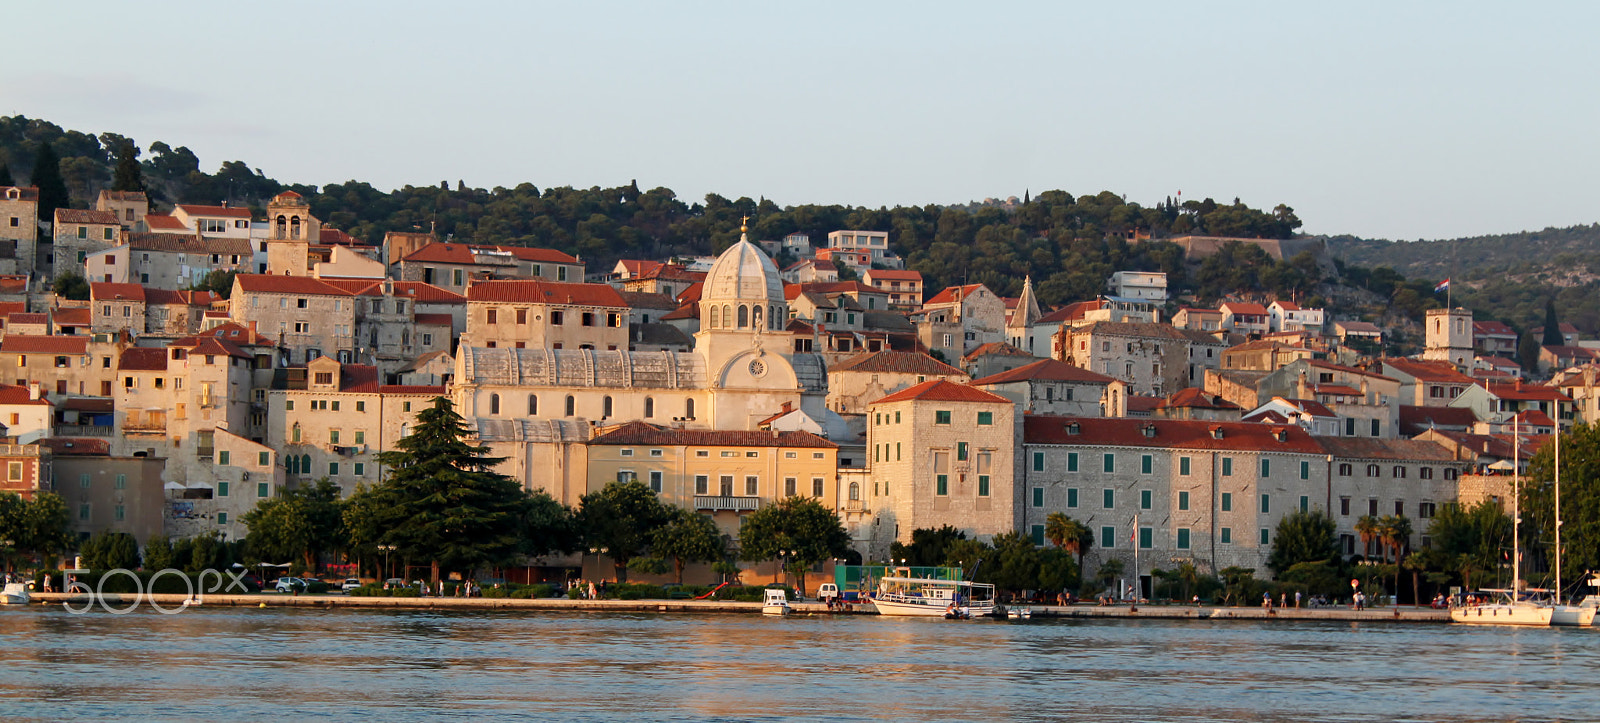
column 316, row 587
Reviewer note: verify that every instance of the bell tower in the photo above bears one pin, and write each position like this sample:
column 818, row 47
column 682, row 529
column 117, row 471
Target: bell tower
column 1449, row 336
column 291, row 231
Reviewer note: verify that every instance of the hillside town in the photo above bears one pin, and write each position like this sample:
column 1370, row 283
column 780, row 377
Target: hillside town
column 1176, row 434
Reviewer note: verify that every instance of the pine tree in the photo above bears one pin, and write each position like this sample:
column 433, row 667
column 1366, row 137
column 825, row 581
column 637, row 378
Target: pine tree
column 128, row 176
column 5, row 175
column 46, row 177
column 442, row 502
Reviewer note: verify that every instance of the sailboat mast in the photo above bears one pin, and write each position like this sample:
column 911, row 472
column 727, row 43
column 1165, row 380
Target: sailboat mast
column 1516, row 503
column 1558, row 510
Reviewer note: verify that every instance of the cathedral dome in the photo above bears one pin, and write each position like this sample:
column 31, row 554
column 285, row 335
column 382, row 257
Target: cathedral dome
column 743, row 273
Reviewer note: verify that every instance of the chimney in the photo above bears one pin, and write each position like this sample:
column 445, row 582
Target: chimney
column 1302, row 388
column 34, row 392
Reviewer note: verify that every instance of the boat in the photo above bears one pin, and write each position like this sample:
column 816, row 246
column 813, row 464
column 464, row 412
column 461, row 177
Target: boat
column 775, row 602
column 1501, row 607
column 15, row 593
column 1564, row 614
column 1019, row 613
column 903, row 595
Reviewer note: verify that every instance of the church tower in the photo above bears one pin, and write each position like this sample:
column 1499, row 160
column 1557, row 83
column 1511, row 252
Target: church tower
column 291, row 231
column 1023, row 318
column 1449, row 336
column 742, row 338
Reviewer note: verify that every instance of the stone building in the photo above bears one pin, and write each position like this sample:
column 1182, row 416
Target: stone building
column 865, row 378
column 1055, row 387
column 1152, row 359
column 1379, row 477
column 19, row 229
column 129, row 208
column 60, row 365
column 546, row 314
column 80, row 232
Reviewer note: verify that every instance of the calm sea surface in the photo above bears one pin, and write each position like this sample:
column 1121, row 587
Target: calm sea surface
column 248, row 664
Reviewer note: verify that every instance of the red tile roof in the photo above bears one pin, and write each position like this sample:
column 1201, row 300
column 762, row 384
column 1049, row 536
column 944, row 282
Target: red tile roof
column 1526, row 392
column 672, row 272
column 893, row 275
column 334, row 237
column 1318, row 363
column 423, row 389
column 1535, row 418
column 1045, row 370
column 691, row 294
column 1196, row 398
column 1169, row 433
column 188, row 243
column 163, row 222
column 19, row 344
column 687, row 311
column 535, row 255
column 896, row 362
column 13, row 307
column 213, row 346
column 1238, row 307
column 269, row 284
column 546, row 292
column 71, row 316
column 233, row 332
column 142, row 359
column 414, row 290
column 939, row 390
column 78, row 215
column 106, row 291
column 645, row 434
column 996, row 348
column 433, row 319
column 1426, row 371
column 24, row 318
column 951, row 294
column 77, row 446
column 1399, row 450
column 637, row 267
column 1492, row 328
column 1287, row 305
column 13, row 395
column 223, row 211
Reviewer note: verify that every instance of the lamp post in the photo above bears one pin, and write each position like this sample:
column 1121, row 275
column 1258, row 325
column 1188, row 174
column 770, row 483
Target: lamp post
column 386, row 549
column 597, row 552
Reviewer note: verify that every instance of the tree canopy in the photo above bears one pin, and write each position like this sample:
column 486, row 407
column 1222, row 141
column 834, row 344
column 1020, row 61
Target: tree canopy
column 300, row 523
column 622, row 518
column 798, row 529
column 1303, row 536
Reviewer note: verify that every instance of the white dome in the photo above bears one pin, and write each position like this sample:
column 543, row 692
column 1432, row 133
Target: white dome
column 743, row 273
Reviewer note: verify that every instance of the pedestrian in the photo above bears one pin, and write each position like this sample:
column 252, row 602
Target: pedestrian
column 47, row 587
column 1266, row 601
column 594, row 593
column 1283, row 599
column 1297, row 598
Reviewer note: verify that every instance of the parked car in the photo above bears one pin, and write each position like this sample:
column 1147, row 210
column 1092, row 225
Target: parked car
column 290, row 584
column 350, row 583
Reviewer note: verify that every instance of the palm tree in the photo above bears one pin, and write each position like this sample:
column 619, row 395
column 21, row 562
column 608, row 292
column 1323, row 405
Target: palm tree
column 1070, row 535
column 1395, row 534
column 1369, row 528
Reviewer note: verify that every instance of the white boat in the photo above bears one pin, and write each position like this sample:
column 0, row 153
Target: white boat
column 15, row 593
column 927, row 597
column 1563, row 614
column 776, row 602
column 1019, row 613
column 1500, row 607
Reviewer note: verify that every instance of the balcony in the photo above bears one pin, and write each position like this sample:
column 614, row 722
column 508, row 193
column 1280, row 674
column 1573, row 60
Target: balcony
column 145, row 427
column 82, row 430
column 737, row 504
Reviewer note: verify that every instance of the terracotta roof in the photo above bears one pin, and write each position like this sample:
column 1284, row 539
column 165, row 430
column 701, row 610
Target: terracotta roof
column 546, row 292
column 334, row 237
column 78, row 215
column 163, row 222
column 414, row 290
column 996, row 348
column 649, row 300
column 13, row 307
column 1238, row 307
column 210, row 345
column 433, row 319
column 188, row 244
column 13, row 284
column 232, row 331
column 1534, row 418
column 687, row 311
column 1196, row 398
column 441, row 253
column 637, row 267
column 1123, row 328
column 26, row 318
column 422, row 389
column 1071, row 312
column 1359, row 326
column 893, row 275
column 225, row 211
column 77, row 446
column 537, row 255
column 1287, row 305
column 269, row 284
column 692, row 293
column 19, row 344
column 645, row 434
column 1045, row 370
column 1320, row 364
column 1426, row 371
column 1488, row 445
column 286, row 195
column 1264, row 345
column 131, row 196
column 461, row 254
column 896, row 362
column 1492, row 328
column 1141, row 403
column 71, row 316
column 842, row 287
column 142, row 359
column 107, row 291
column 1169, row 433
column 950, row 294
column 939, row 390
column 1336, row 390
column 1399, row 450
column 1528, row 392
column 27, row 193
column 13, row 395
column 673, row 272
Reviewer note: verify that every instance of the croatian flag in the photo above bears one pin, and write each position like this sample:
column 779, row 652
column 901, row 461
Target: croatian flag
column 1443, row 286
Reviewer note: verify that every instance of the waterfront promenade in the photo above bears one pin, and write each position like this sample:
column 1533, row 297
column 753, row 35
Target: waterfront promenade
column 1159, row 612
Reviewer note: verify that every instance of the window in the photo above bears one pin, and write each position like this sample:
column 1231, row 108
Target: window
column 1108, row 538
column 1227, row 466
column 333, row 436
column 752, row 485
column 702, row 484
column 1372, row 470
column 571, row 406
column 222, row 517
column 1375, row 427
column 1372, row 507
column 1183, row 467
column 361, row 437
column 961, row 451
column 1399, row 472
column 1266, row 536
column 262, row 488
column 361, row 469
column 1036, row 534
column 222, row 458
column 941, row 416
column 333, row 468
column 1426, row 510
column 1072, row 461
column 1145, row 464
column 491, row 316
column 942, row 485
column 1183, row 538
column 1225, row 536
column 985, row 418
column 1146, row 538
column 1266, row 504
column 1227, row 502
column 1038, row 497
column 1345, row 469
column 1266, row 467
column 983, row 485
column 1146, row 499
column 222, row 488
column 1344, row 506
column 1425, row 473
column 1183, row 500
column 1399, row 508
column 1305, row 470
column 1109, row 461
column 655, row 480
column 1108, row 498
column 1038, row 461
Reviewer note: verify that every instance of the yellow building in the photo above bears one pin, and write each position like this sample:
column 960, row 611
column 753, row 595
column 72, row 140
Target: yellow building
column 721, row 473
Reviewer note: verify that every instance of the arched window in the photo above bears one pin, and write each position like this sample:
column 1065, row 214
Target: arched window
column 294, row 227
column 571, row 406
column 855, row 491
column 494, row 404
column 305, row 464
column 688, row 408
column 649, row 407
column 605, row 407
column 773, row 317
column 283, row 227
column 533, row 405
column 292, row 464
column 727, row 317
column 744, row 316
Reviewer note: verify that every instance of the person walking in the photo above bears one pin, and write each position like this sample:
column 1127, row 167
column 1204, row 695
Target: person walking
column 1297, row 598
column 1266, row 601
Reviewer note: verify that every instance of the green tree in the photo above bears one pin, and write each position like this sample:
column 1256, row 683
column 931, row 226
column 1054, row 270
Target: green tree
column 1110, row 571
column 1469, row 540
column 109, row 550
column 71, row 285
column 622, row 518
column 43, row 525
column 547, row 526
column 5, row 175
column 1580, row 502
column 1017, row 562
column 927, row 546
column 1238, row 584
column 304, row 523
column 442, row 501
column 158, row 553
column 1552, row 328
column 207, row 551
column 799, row 526
column 1528, row 353
column 1069, row 534
column 1308, row 536
column 689, row 537
column 128, row 175
column 218, row 282
column 52, row 187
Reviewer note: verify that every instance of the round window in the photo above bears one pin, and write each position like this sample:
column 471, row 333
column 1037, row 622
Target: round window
column 757, row 367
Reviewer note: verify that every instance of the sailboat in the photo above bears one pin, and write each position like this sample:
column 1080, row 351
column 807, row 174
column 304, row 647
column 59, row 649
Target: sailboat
column 1507, row 607
column 1561, row 613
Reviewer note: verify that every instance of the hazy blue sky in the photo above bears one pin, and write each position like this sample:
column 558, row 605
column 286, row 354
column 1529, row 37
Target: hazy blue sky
column 1401, row 120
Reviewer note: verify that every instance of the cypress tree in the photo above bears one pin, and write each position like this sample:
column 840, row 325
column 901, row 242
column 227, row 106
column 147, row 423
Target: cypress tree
column 128, row 175
column 46, row 177
column 1552, row 328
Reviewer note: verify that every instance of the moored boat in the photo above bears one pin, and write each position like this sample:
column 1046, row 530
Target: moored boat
column 927, row 597
column 15, row 593
column 775, row 602
column 1501, row 607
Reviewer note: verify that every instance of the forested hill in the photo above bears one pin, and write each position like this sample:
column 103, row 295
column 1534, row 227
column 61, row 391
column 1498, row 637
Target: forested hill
column 1069, row 245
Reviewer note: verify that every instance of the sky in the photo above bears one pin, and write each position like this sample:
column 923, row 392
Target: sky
column 1383, row 120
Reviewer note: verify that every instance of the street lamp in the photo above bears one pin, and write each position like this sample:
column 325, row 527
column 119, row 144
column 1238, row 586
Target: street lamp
column 386, row 549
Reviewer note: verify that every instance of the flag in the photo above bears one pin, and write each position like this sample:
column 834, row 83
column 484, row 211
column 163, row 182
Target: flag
column 1443, row 286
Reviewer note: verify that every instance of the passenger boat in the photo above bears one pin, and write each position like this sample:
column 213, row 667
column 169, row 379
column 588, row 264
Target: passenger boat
column 775, row 602
column 927, row 597
column 15, row 593
column 1502, row 607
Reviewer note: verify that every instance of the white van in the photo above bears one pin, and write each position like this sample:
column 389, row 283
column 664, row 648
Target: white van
column 827, row 591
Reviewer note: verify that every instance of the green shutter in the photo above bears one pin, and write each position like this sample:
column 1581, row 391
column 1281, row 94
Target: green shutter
column 1146, row 463
column 1038, row 461
column 1072, row 461
column 1183, row 500
column 1037, row 532
column 1038, row 497
column 1183, row 538
column 1072, row 497
column 1108, row 498
column 1227, row 502
column 1110, row 462
column 1183, row 465
column 1146, row 499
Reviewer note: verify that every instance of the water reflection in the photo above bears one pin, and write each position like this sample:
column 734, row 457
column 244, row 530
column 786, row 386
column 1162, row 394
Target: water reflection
column 247, row 664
